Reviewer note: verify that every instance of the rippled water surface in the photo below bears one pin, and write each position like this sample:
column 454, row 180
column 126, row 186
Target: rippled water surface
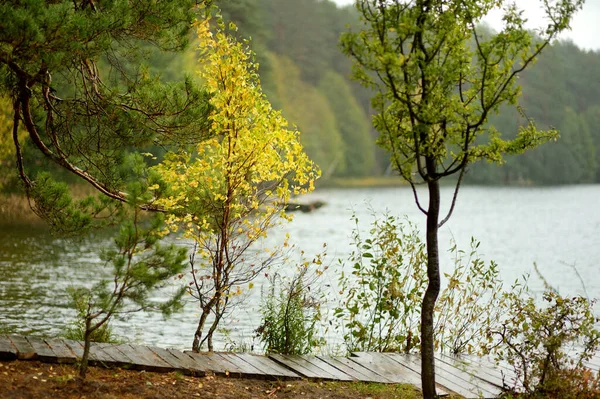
column 557, row 227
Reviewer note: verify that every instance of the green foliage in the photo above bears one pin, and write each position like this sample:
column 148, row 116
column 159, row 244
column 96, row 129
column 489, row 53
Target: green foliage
column 102, row 334
column 548, row 344
column 77, row 84
column 140, row 266
column 291, row 312
column 383, row 292
column 416, row 57
column 471, row 302
column 306, row 107
column 359, row 154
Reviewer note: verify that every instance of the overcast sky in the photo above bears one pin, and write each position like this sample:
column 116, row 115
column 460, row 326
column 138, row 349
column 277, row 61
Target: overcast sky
column 585, row 26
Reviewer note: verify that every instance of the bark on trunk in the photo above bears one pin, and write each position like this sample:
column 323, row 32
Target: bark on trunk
column 433, row 288
column 83, row 366
column 198, row 335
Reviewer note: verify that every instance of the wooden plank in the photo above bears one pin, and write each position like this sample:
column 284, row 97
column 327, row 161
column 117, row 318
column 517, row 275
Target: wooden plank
column 135, row 361
column 167, row 357
column 99, row 357
column 295, row 367
column 139, row 359
column 63, row 353
column 156, row 364
column 270, row 368
column 42, row 350
column 337, row 374
column 505, row 371
column 7, row 350
column 24, row 349
column 76, row 347
column 354, row 369
column 189, row 363
column 118, row 359
column 487, row 361
column 212, row 364
column 491, row 375
column 593, row 363
column 481, row 387
column 303, row 367
column 450, row 379
column 246, row 369
column 388, row 368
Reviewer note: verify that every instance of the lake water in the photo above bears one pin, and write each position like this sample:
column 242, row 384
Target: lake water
column 556, row 227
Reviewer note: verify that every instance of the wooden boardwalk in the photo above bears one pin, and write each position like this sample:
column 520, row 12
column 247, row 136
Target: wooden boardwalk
column 470, row 377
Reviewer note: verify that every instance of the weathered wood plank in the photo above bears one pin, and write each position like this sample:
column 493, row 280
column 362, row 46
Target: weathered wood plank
column 155, row 363
column 477, row 370
column 189, row 363
column 7, row 350
column 479, row 387
column 118, row 358
column 354, row 369
column 449, row 380
column 302, row 367
column 140, row 359
column 505, row 371
column 168, row 357
column 136, row 362
column 271, row 369
column 76, row 347
column 63, row 353
column 101, row 357
column 387, row 368
column 593, row 363
column 245, row 368
column 24, row 349
column 42, row 350
column 211, row 364
column 335, row 372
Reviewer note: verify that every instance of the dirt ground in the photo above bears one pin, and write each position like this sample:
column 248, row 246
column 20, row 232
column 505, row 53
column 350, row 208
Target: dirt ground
column 35, row 380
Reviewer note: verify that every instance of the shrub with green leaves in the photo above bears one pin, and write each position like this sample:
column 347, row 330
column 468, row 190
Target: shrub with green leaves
column 548, row 344
column 384, row 291
column 472, row 301
column 292, row 310
column 141, row 264
column 76, row 331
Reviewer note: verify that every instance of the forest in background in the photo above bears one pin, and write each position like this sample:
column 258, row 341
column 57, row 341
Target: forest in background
column 304, row 73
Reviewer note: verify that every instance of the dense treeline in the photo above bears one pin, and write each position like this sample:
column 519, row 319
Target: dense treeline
column 307, row 76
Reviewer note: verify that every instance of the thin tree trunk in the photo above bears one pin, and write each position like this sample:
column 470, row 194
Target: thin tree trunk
column 87, row 336
column 433, row 287
column 201, row 322
column 218, row 315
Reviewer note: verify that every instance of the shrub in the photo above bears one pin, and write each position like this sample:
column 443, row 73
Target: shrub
column 470, row 304
column 548, row 344
column 291, row 312
column 381, row 311
column 383, row 292
column 103, row 334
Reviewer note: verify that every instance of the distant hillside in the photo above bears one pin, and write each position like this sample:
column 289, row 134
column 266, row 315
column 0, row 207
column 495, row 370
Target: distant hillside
column 306, row 75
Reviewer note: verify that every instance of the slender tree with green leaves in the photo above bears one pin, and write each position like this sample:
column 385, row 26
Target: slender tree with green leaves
column 438, row 79
column 141, row 265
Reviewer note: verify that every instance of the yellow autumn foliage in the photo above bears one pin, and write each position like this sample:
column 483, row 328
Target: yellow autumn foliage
column 238, row 181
